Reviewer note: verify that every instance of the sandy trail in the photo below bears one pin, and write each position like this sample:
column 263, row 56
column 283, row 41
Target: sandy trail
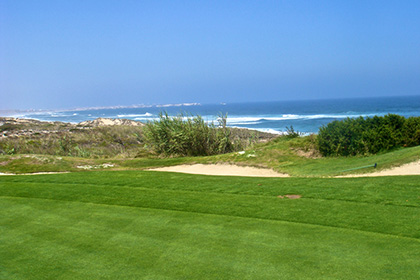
column 222, row 170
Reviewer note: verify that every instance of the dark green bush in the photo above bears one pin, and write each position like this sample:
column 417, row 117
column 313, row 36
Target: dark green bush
column 361, row 136
column 411, row 131
column 189, row 136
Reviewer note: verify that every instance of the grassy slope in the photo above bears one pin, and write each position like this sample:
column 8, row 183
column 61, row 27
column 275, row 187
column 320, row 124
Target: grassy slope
column 120, row 144
column 153, row 225
column 280, row 155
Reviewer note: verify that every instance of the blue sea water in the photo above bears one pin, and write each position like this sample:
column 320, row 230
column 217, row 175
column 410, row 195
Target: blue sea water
column 305, row 116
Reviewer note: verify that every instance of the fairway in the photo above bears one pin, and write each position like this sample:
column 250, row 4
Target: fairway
column 151, row 225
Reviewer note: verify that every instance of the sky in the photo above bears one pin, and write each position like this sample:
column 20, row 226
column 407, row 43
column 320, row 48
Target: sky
column 70, row 54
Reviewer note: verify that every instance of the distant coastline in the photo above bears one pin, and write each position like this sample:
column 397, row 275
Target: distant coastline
column 305, row 116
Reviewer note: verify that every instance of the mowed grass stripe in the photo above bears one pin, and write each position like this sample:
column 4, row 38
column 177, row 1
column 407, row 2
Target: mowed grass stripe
column 398, row 190
column 264, row 193
column 213, row 214
column 70, row 240
column 397, row 200
column 387, row 219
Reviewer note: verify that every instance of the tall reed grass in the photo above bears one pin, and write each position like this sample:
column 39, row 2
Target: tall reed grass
column 190, row 136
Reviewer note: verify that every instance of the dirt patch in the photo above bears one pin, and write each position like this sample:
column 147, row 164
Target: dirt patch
column 3, row 163
column 313, row 154
column 290, row 196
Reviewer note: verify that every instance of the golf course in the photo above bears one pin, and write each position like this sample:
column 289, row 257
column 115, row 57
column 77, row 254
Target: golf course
column 162, row 225
column 117, row 218
column 209, row 140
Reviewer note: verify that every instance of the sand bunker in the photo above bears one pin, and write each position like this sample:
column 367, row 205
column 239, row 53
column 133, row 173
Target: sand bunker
column 222, row 170
column 37, row 173
column 234, row 170
column 412, row 168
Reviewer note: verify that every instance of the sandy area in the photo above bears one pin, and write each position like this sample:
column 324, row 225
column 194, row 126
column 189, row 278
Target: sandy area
column 110, row 122
column 37, row 173
column 412, row 168
column 233, row 170
column 222, row 170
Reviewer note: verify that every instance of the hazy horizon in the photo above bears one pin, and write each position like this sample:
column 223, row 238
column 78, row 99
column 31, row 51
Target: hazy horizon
column 82, row 54
column 188, row 104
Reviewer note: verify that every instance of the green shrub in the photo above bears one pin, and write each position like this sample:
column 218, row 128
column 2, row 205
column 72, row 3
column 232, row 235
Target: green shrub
column 361, row 136
column 189, row 136
column 411, row 131
column 291, row 132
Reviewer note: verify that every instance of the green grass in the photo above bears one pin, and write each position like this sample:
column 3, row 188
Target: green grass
column 151, row 225
column 21, row 164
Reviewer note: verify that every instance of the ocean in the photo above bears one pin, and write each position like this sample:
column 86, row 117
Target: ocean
column 305, row 116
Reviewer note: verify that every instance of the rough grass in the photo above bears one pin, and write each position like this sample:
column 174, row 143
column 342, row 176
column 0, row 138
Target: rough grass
column 152, row 225
column 72, row 140
column 118, row 141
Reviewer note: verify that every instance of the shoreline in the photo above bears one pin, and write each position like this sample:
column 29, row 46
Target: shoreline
column 306, row 116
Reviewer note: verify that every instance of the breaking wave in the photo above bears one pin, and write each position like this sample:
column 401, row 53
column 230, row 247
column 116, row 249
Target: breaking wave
column 147, row 114
column 260, row 119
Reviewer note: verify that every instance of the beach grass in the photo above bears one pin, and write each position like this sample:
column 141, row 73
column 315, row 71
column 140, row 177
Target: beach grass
column 152, row 225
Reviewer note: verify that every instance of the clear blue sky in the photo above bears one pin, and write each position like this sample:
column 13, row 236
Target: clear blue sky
column 66, row 54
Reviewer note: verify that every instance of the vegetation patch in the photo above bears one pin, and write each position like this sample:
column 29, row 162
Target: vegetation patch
column 371, row 135
column 190, row 136
column 120, row 138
